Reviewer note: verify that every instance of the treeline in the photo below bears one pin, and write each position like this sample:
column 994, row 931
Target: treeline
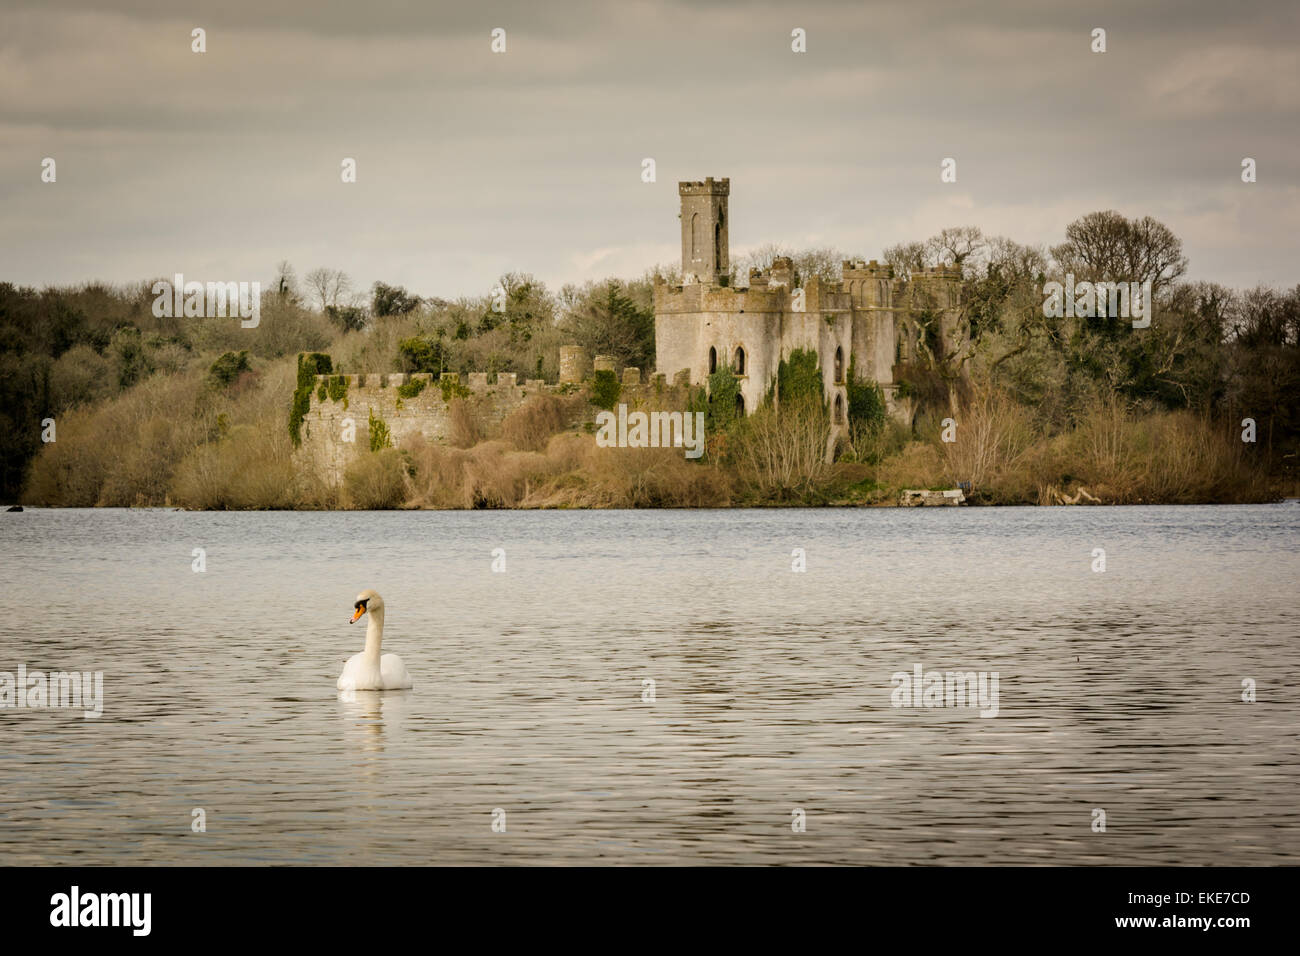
column 65, row 350
column 1211, row 350
column 150, row 410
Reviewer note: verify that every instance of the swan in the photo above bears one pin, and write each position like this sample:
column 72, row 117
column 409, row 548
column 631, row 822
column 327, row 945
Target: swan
column 368, row 670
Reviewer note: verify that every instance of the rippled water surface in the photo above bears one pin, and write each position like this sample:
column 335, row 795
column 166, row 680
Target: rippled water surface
column 1119, row 691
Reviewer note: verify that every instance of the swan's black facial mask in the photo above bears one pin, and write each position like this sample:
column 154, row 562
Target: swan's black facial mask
column 359, row 609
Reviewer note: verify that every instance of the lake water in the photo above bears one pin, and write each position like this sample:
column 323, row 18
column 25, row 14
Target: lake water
column 1118, row 691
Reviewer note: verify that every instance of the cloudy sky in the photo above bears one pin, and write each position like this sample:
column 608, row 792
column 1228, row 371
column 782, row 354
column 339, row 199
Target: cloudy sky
column 221, row 164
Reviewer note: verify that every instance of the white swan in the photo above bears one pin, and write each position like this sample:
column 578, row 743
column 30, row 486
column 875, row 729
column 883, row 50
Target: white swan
column 368, row 670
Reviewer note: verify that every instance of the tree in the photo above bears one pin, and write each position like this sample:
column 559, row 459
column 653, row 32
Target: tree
column 391, row 300
column 328, row 286
column 422, row 354
column 823, row 262
column 608, row 322
column 1264, row 382
column 286, row 283
column 907, row 257
column 1104, row 246
column 528, row 307
column 955, row 245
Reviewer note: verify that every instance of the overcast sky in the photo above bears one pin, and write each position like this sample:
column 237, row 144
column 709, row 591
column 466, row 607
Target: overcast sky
column 471, row 163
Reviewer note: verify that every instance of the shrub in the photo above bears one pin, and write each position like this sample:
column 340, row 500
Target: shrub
column 530, row 426
column 122, row 453
column 572, row 472
column 780, row 453
column 421, row 354
column 228, row 368
column 918, row 465
column 799, row 376
column 994, row 436
column 720, row 406
column 866, row 402
column 249, row 468
column 605, row 389
column 80, row 376
column 376, row 481
column 466, row 427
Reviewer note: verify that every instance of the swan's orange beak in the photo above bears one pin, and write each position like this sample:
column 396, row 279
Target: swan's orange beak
column 356, row 615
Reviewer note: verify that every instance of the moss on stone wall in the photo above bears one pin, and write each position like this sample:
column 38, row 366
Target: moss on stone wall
column 799, row 375
column 310, row 364
column 866, row 400
column 338, row 389
column 380, row 436
column 720, row 412
column 452, row 389
column 412, row 388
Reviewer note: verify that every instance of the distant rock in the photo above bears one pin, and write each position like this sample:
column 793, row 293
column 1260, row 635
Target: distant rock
column 14, row 508
column 915, row 498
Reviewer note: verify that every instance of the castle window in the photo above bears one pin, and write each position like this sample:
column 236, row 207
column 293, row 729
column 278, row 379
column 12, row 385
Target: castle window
column 839, row 365
column 740, row 405
column 713, row 360
column 839, row 409
column 740, row 360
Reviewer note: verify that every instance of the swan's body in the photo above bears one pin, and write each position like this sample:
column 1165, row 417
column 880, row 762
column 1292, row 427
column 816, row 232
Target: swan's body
column 371, row 670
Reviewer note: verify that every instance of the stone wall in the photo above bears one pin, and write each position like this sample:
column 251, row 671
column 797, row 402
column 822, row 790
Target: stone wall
column 325, row 428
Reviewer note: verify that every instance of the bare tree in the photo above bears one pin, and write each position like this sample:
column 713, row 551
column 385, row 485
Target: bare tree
column 906, row 257
column 823, row 262
column 955, row 245
column 328, row 286
column 1016, row 261
column 286, row 283
column 1106, row 246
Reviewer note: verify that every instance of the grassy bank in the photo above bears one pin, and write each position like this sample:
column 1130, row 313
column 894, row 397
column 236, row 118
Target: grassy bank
column 193, row 440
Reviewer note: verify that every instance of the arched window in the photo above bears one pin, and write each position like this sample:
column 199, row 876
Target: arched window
column 695, row 236
column 839, row 364
column 740, row 405
column 839, row 409
column 740, row 360
column 713, row 360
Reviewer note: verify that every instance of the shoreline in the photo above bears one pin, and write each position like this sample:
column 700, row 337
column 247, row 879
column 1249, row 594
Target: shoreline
column 783, row 506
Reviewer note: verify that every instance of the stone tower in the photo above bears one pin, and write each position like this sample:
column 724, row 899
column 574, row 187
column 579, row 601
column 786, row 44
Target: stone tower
column 704, row 231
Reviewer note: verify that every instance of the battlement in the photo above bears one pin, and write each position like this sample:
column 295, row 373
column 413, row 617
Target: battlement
column 858, row 269
column 938, row 272
column 710, row 187
column 476, row 382
column 691, row 297
column 345, row 413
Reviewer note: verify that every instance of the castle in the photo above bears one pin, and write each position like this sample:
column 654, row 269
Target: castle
column 864, row 321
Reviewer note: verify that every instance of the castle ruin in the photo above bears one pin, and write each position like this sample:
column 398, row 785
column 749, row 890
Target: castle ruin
column 864, row 320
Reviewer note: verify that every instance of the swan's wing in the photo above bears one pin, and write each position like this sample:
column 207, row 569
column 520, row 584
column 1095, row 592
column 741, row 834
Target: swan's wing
column 394, row 672
column 348, row 679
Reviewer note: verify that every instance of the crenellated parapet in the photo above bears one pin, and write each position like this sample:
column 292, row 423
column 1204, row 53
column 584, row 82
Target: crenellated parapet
column 336, row 426
column 867, row 320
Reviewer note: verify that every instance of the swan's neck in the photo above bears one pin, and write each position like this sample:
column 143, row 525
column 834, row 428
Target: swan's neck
column 374, row 634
